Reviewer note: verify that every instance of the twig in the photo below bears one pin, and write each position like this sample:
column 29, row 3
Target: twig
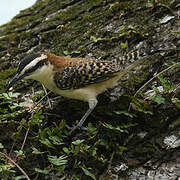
column 22, row 147
column 174, row 90
column 51, row 114
column 155, row 77
column 27, row 177
column 49, row 102
column 142, row 87
column 40, row 101
column 12, row 147
column 110, row 161
column 32, row 112
column 33, row 91
column 163, row 5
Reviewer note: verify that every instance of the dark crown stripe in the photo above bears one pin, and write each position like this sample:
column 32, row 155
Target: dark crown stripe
column 25, row 61
column 37, row 66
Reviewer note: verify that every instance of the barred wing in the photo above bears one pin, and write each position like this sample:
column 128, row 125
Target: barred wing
column 85, row 73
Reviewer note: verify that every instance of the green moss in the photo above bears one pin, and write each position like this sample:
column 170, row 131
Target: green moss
column 69, row 14
column 3, row 46
column 137, row 79
column 165, row 2
column 4, row 75
column 7, row 73
column 87, row 17
column 92, row 3
column 148, row 148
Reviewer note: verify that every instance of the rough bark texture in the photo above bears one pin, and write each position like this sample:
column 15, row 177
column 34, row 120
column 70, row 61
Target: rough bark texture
column 107, row 30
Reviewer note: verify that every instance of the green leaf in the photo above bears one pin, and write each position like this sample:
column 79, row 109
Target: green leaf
column 176, row 101
column 66, row 52
column 66, row 150
column 23, row 104
column 75, row 52
column 132, row 27
column 109, row 126
column 158, row 99
column 139, row 105
column 47, row 143
column 7, row 168
column 175, row 32
column 123, row 45
column 40, row 92
column 59, row 127
column 60, row 168
column 94, row 39
column 86, row 147
column 78, row 142
column 165, row 83
column 74, row 177
column 19, row 177
column 37, row 117
column 92, row 130
column 58, row 161
column 42, row 171
column 1, row 146
column 6, row 96
column 124, row 113
column 11, row 115
column 19, row 153
column 56, row 140
column 88, row 173
column 36, row 151
column 45, row 133
column 11, row 95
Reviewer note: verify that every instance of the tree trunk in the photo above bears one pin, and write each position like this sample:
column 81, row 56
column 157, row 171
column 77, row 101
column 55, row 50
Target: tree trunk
column 132, row 141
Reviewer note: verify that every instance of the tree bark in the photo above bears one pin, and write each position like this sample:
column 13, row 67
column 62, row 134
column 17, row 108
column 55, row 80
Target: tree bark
column 107, row 30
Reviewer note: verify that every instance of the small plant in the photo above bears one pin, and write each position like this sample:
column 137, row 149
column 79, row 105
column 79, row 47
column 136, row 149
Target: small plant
column 157, row 97
column 10, row 108
column 79, row 156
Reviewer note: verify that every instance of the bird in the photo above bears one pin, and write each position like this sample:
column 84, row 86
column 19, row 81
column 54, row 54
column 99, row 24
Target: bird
column 75, row 78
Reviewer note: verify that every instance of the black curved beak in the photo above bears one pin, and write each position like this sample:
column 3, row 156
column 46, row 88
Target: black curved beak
column 13, row 81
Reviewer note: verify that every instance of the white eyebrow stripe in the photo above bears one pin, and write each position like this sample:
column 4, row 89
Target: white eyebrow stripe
column 33, row 63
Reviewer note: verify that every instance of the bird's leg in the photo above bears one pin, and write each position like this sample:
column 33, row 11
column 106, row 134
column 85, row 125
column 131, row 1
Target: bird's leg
column 92, row 104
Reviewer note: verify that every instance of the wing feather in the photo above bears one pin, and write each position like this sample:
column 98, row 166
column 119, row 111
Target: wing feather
column 85, row 73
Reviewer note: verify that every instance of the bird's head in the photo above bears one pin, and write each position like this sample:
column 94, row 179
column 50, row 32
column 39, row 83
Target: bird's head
column 29, row 68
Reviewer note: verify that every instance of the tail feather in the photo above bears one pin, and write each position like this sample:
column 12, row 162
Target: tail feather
column 131, row 56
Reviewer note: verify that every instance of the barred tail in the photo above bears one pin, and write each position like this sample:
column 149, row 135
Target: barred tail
column 131, row 56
